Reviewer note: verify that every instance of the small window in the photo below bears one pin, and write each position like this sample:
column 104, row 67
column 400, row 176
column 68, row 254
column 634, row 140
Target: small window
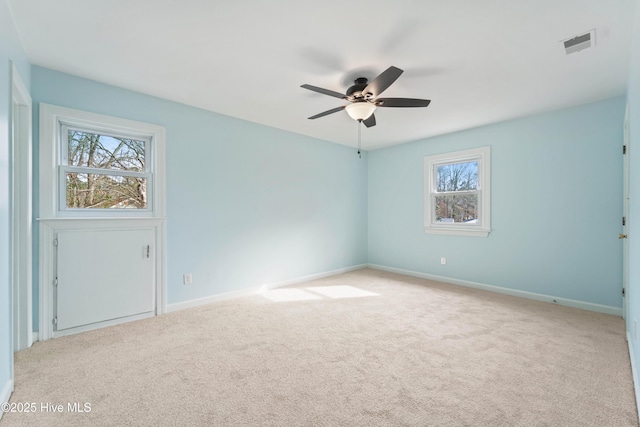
column 457, row 193
column 98, row 166
column 103, row 171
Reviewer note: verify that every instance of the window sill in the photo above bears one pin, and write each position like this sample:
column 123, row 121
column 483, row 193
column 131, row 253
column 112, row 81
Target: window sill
column 101, row 223
column 457, row 232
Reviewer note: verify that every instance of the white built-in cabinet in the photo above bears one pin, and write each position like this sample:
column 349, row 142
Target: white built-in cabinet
column 99, row 272
column 103, row 275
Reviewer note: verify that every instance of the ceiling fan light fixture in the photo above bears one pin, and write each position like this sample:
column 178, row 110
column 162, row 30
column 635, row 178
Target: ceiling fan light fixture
column 364, row 98
column 360, row 110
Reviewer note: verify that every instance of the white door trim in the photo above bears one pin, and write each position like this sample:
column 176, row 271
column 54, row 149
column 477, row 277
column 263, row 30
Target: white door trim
column 22, row 214
column 625, row 212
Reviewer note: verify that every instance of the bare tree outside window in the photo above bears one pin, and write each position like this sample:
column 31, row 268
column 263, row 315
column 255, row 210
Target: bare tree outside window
column 456, row 197
column 116, row 166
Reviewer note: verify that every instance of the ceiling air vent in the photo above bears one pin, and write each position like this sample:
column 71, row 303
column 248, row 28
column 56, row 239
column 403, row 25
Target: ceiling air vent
column 578, row 43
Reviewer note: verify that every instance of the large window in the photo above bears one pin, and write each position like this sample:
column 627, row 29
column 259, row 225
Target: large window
column 457, row 187
column 97, row 165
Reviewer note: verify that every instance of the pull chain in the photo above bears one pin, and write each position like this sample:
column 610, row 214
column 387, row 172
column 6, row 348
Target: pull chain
column 359, row 137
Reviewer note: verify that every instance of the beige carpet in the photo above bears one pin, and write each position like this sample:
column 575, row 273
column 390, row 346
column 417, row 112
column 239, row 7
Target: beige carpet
column 416, row 353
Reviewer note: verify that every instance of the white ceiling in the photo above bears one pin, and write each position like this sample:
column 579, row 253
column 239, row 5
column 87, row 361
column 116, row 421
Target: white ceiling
column 478, row 61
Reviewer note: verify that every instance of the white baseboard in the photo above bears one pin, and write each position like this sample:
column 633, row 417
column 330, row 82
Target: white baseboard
column 250, row 291
column 209, row 300
column 513, row 292
column 6, row 394
column 35, row 337
column 313, row 277
column 634, row 374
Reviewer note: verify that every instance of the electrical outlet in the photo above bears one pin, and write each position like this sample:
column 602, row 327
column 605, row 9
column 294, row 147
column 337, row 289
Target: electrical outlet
column 443, row 260
column 187, row 279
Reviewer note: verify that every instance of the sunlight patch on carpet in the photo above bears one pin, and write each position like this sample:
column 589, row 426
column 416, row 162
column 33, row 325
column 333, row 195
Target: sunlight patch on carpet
column 280, row 295
column 314, row 293
column 341, row 291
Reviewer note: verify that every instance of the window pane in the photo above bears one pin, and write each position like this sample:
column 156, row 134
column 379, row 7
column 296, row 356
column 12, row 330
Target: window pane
column 456, row 208
column 105, row 152
column 101, row 191
column 457, row 177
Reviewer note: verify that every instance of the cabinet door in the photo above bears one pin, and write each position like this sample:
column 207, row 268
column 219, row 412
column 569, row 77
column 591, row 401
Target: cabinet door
column 104, row 275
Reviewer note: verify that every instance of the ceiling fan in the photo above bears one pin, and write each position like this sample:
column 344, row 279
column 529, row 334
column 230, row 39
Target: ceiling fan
column 363, row 97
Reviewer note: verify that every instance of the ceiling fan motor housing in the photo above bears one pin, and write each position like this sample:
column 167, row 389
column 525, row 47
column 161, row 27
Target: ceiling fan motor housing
column 355, row 91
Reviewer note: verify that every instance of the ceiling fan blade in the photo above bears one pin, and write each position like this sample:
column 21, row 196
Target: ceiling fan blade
column 370, row 121
column 325, row 91
column 326, row 113
column 383, row 81
column 402, row 102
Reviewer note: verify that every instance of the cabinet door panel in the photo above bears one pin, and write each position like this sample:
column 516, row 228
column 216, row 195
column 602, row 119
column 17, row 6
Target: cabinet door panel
column 104, row 275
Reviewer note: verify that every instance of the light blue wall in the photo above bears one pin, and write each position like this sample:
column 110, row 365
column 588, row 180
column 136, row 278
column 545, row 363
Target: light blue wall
column 633, row 95
column 556, row 206
column 246, row 204
column 10, row 52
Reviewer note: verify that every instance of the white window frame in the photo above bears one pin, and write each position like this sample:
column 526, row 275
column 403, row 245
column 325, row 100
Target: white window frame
column 53, row 119
column 482, row 227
